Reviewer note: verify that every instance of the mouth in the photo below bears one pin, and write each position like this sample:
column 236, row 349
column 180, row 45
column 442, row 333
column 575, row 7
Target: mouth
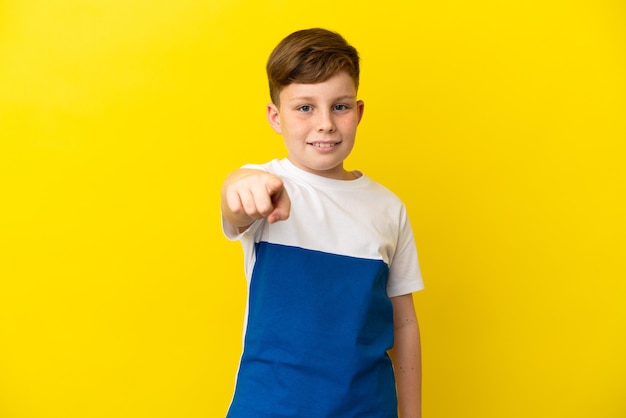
column 324, row 144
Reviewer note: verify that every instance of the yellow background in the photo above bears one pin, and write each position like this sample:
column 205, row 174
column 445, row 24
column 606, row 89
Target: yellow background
column 501, row 125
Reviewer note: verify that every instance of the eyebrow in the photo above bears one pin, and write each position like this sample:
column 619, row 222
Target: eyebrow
column 310, row 98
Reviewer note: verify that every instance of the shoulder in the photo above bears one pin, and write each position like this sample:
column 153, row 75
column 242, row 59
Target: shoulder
column 382, row 191
column 272, row 166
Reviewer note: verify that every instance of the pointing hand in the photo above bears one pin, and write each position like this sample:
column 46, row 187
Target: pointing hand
column 248, row 195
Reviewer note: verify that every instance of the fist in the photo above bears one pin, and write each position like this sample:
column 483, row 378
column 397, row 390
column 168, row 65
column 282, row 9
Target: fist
column 248, row 195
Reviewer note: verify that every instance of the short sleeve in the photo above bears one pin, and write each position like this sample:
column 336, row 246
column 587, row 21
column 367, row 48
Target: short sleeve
column 404, row 271
column 232, row 233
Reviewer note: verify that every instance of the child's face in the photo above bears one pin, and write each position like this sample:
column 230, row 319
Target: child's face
column 318, row 123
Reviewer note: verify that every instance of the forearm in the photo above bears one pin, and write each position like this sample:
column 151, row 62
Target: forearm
column 407, row 361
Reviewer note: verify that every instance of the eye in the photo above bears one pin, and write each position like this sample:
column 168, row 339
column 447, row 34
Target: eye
column 305, row 108
column 340, row 107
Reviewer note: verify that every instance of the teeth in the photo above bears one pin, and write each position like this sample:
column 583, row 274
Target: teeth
column 323, row 145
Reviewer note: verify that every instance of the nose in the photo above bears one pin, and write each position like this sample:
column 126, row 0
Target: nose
column 325, row 122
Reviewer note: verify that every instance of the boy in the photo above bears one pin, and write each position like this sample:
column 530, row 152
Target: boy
column 329, row 255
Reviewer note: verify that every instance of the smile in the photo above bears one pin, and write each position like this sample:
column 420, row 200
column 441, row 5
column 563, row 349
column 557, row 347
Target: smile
column 324, row 144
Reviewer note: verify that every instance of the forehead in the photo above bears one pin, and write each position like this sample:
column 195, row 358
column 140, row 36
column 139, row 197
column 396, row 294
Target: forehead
column 340, row 85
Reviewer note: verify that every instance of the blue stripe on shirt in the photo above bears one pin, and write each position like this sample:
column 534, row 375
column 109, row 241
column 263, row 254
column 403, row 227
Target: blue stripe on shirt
column 319, row 326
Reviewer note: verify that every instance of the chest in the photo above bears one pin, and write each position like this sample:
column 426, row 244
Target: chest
column 359, row 224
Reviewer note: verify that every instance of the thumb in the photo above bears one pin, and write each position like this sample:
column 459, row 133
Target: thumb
column 274, row 186
column 282, row 206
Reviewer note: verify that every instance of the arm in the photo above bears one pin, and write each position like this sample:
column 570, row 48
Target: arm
column 406, row 357
column 248, row 195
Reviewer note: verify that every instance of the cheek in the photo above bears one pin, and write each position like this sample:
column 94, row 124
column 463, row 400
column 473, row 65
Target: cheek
column 296, row 126
column 350, row 125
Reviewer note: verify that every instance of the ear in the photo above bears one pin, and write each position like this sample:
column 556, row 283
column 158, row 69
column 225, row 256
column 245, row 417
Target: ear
column 273, row 117
column 360, row 105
